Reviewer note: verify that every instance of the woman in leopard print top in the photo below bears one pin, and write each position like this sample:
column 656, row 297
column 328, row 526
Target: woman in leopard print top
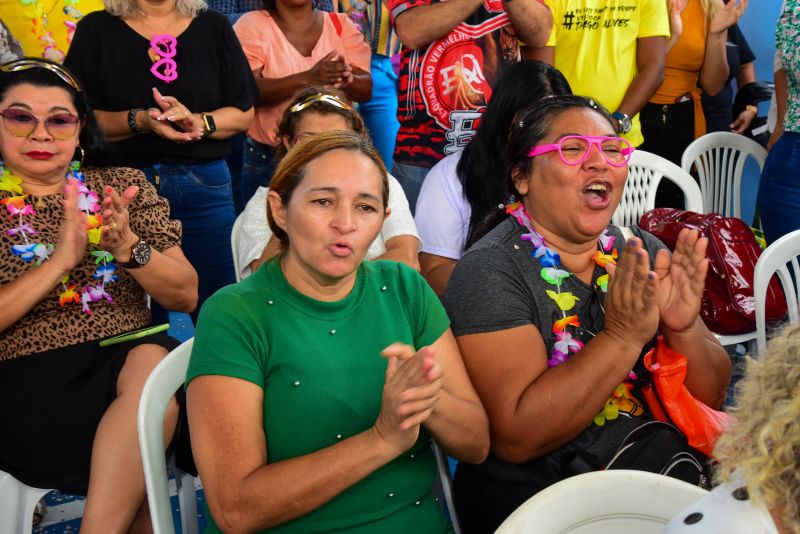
column 79, row 252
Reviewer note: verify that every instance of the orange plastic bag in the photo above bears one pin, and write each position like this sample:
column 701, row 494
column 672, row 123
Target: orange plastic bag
column 700, row 424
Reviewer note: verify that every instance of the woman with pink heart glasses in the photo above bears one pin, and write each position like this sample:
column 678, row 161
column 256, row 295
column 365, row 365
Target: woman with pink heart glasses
column 170, row 84
column 553, row 309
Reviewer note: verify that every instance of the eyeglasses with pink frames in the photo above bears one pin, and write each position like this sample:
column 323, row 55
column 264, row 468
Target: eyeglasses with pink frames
column 574, row 149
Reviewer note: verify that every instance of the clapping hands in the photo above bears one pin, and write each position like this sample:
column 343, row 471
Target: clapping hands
column 172, row 120
column 410, row 393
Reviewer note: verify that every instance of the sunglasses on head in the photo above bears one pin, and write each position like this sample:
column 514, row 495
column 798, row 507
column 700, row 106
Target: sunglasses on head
column 21, row 123
column 320, row 97
column 32, row 63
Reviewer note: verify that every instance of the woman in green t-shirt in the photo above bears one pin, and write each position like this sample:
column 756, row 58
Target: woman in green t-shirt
column 315, row 383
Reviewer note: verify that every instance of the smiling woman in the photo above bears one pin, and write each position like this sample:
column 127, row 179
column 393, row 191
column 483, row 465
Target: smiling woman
column 552, row 311
column 296, row 419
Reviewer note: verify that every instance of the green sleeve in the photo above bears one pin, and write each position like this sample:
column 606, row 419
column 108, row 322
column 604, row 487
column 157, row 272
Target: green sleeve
column 228, row 341
column 425, row 310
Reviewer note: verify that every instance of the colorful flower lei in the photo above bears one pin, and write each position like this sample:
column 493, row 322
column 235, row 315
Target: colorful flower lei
column 566, row 345
column 37, row 253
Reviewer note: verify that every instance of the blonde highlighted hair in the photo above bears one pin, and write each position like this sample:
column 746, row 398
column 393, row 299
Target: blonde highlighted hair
column 764, row 442
column 127, row 9
column 710, row 7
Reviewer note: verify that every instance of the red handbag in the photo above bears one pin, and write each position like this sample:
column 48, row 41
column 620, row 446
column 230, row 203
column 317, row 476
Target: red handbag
column 672, row 401
column 728, row 303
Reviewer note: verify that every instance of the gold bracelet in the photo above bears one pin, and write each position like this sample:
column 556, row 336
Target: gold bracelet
column 753, row 109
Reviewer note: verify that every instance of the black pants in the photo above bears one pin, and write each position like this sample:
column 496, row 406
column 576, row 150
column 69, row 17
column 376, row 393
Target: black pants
column 668, row 129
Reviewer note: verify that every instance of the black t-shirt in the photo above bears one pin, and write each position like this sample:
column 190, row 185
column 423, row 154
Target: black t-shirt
column 113, row 65
column 718, row 108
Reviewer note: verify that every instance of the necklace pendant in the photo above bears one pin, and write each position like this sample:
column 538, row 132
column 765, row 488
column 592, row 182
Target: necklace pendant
column 39, row 203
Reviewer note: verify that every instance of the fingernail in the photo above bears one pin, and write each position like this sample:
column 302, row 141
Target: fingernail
column 631, row 241
column 651, row 275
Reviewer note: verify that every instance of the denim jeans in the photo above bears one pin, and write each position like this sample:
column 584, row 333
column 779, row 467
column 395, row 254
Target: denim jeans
column 200, row 197
column 380, row 112
column 411, row 178
column 259, row 164
column 779, row 188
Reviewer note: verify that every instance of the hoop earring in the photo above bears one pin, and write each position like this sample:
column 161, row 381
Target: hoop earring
column 83, row 154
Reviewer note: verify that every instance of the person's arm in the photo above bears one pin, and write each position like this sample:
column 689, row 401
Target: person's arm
column 357, row 85
column 746, row 75
column 402, row 248
column 271, row 249
column 650, row 57
column 20, row 295
column 168, row 277
column 675, row 7
column 436, row 270
column 545, row 54
column 534, row 409
column 531, row 20
column 458, row 422
column 714, row 72
column 421, row 25
column 781, row 88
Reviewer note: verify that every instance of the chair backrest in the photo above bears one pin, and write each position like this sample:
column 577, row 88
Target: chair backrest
column 719, row 158
column 160, row 387
column 237, row 224
column 619, row 501
column 445, row 484
column 777, row 259
column 645, row 172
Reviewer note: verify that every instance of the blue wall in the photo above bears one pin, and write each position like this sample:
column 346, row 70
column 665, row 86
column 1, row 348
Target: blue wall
column 758, row 25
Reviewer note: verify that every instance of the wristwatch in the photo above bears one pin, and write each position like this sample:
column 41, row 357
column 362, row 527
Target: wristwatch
column 624, row 121
column 209, row 126
column 140, row 255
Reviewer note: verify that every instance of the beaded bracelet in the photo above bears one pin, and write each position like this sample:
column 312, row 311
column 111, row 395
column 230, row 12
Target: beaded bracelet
column 132, row 121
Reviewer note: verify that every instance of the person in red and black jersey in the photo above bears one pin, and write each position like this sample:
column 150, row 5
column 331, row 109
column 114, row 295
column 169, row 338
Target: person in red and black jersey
column 453, row 53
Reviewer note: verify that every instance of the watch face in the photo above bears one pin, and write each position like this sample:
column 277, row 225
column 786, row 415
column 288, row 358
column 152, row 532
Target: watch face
column 208, row 122
column 141, row 253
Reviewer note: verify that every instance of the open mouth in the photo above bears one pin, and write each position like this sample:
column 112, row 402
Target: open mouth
column 598, row 195
column 341, row 249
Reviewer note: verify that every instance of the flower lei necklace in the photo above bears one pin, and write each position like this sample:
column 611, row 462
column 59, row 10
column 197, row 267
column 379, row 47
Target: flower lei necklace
column 37, row 253
column 566, row 345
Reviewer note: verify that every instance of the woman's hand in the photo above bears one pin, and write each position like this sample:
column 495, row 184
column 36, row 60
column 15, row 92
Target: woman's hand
column 727, row 15
column 172, row 120
column 631, row 301
column 742, row 122
column 675, row 8
column 72, row 239
column 117, row 236
column 412, row 387
column 331, row 70
column 681, row 280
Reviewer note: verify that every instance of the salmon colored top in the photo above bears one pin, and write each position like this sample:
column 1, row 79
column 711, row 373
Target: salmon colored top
column 271, row 55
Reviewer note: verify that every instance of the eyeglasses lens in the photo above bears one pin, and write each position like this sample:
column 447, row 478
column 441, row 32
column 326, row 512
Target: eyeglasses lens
column 20, row 123
column 575, row 150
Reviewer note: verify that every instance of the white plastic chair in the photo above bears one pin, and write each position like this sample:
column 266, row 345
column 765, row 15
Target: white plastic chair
column 772, row 261
column 159, row 388
column 719, row 158
column 645, row 172
column 17, row 502
column 237, row 224
column 603, row 502
column 446, row 484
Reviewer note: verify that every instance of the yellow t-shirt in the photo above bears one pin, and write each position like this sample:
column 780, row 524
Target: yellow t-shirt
column 45, row 27
column 595, row 46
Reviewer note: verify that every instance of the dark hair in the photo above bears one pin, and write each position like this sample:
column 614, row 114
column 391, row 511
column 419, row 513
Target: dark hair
column 91, row 137
column 292, row 168
column 483, row 161
column 289, row 119
column 532, row 126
